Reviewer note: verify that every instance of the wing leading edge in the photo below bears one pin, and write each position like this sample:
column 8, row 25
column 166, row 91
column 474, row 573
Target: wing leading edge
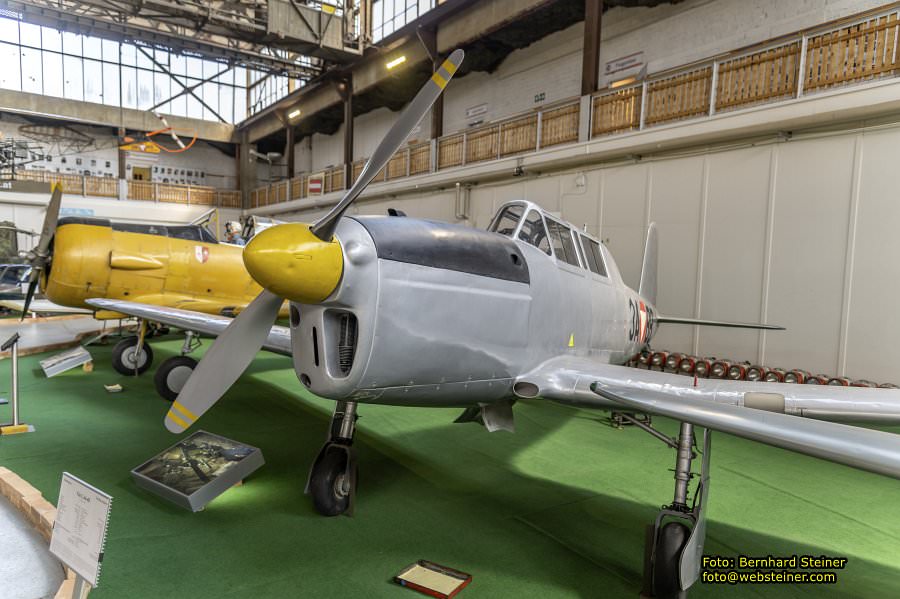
column 278, row 340
column 763, row 412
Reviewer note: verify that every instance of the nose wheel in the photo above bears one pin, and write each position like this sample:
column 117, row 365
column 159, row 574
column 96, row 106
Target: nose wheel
column 332, row 478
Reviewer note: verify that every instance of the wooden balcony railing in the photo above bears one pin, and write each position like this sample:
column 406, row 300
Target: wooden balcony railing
column 148, row 191
column 855, row 49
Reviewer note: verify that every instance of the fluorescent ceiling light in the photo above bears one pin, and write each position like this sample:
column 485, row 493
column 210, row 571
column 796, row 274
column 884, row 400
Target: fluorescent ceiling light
column 397, row 61
column 294, row 114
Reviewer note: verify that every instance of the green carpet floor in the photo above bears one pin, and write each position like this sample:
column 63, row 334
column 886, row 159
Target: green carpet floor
column 555, row 510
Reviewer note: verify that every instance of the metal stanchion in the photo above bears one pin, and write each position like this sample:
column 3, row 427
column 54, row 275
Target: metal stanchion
column 16, row 427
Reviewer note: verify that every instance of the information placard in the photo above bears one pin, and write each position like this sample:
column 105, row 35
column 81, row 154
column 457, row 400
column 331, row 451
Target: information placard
column 79, row 532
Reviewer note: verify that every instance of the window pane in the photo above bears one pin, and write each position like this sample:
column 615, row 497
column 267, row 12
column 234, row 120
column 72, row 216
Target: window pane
column 74, row 83
column 145, row 89
column 93, row 81
column 598, row 256
column 51, row 39
column 10, row 75
column 129, row 86
column 129, row 55
column 142, row 60
column 72, row 43
column 226, row 102
column 588, row 254
column 562, row 242
column 210, row 94
column 194, row 108
column 178, row 105
column 194, row 67
column 92, row 47
column 110, row 51
column 31, row 35
column 53, row 74
column 31, row 71
column 505, row 222
column 534, row 232
column 9, row 31
column 111, row 83
column 162, row 90
column 177, row 64
column 240, row 104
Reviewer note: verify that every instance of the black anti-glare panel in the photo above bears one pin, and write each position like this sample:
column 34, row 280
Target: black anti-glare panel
column 447, row 246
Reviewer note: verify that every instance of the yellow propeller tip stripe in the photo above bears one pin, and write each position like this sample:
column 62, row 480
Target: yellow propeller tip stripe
column 442, row 83
column 184, row 411
column 171, row 416
column 449, row 67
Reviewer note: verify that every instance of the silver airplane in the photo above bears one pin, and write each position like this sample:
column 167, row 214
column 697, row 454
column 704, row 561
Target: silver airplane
column 401, row 311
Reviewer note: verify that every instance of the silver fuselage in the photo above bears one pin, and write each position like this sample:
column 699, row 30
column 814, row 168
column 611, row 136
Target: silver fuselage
column 433, row 334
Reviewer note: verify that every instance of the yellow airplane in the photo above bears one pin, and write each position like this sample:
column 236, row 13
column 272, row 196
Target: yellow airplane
column 181, row 266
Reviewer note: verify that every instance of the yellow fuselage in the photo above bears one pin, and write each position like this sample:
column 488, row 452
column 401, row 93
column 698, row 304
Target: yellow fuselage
column 98, row 261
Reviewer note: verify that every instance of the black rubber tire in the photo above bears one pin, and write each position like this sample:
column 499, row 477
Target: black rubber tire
column 669, row 547
column 326, row 499
column 173, row 368
column 125, row 365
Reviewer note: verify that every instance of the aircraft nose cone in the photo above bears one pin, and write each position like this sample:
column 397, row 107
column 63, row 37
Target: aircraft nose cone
column 291, row 262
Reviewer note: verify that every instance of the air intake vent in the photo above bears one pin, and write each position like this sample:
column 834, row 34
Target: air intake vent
column 346, row 342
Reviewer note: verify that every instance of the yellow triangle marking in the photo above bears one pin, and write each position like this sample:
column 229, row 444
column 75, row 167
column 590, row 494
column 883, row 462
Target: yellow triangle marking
column 572, row 340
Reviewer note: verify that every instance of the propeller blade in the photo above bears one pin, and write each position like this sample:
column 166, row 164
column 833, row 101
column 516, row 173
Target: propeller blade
column 49, row 229
column 226, row 360
column 325, row 226
column 32, row 285
column 39, row 255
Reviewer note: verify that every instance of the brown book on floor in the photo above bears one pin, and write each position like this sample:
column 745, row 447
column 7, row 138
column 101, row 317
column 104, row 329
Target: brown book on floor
column 433, row 579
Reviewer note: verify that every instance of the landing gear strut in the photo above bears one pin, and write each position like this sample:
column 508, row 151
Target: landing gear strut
column 674, row 543
column 332, row 478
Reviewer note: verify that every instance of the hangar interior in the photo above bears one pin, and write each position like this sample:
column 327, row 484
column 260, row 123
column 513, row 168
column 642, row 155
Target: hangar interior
column 745, row 150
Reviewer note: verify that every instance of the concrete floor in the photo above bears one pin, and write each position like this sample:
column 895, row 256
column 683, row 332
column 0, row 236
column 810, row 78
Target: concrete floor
column 27, row 569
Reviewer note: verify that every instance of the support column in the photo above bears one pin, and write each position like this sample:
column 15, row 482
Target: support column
column 345, row 88
column 289, row 151
column 246, row 170
column 590, row 57
column 121, row 159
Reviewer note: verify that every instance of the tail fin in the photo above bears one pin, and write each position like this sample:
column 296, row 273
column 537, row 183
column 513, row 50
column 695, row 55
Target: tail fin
column 647, row 288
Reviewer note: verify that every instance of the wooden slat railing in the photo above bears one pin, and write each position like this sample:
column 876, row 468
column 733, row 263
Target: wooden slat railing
column 851, row 50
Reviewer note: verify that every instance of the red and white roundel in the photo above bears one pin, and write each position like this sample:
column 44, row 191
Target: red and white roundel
column 201, row 253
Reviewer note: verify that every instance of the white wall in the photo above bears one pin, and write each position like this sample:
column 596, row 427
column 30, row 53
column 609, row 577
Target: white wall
column 800, row 233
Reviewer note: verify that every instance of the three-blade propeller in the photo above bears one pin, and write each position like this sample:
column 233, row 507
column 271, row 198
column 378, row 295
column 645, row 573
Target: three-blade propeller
column 39, row 256
column 270, row 258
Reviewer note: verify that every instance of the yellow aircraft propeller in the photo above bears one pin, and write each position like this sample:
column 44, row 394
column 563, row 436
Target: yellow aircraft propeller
column 299, row 262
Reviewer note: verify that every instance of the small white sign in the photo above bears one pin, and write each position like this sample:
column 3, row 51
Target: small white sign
column 79, row 532
column 624, row 63
column 477, row 110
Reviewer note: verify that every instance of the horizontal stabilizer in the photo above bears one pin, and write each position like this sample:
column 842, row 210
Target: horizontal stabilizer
column 871, row 450
column 718, row 323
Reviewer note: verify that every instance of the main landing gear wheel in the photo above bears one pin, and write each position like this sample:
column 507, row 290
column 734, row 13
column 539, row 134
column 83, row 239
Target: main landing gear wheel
column 331, row 481
column 128, row 359
column 171, row 376
column 669, row 547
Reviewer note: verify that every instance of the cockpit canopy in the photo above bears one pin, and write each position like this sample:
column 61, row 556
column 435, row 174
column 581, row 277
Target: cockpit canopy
column 528, row 222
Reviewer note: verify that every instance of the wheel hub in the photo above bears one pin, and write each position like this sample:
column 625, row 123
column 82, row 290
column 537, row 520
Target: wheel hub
column 341, row 485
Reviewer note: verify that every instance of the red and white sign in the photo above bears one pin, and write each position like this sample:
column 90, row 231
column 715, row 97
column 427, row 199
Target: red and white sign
column 315, row 184
column 201, row 253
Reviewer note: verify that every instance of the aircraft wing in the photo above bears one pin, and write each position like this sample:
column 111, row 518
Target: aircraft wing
column 773, row 413
column 278, row 341
column 41, row 307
